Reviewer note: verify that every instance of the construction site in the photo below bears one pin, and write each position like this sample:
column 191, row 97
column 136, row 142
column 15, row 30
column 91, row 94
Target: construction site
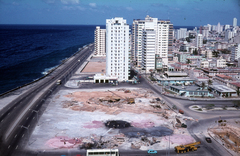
column 108, row 118
column 227, row 133
column 127, row 119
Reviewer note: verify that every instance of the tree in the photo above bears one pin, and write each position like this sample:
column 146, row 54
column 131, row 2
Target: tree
column 188, row 39
column 204, row 41
column 188, row 61
column 238, row 92
column 209, row 82
column 151, row 71
column 215, row 53
column 195, row 52
column 203, row 85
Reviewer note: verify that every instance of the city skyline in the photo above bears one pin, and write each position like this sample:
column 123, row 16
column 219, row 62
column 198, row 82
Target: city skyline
column 91, row 12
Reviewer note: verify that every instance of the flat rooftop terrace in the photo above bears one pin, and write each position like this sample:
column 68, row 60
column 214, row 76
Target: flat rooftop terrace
column 223, row 89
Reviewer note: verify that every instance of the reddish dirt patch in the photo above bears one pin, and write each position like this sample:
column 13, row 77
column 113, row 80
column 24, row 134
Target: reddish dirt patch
column 95, row 67
column 180, row 139
column 63, row 142
column 94, row 124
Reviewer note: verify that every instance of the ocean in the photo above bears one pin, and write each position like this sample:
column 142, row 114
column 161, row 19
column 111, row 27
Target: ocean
column 28, row 51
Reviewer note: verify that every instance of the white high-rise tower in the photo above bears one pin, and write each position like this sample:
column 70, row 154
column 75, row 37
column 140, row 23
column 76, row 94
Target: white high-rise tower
column 163, row 30
column 117, row 48
column 99, row 41
column 234, row 22
column 199, row 40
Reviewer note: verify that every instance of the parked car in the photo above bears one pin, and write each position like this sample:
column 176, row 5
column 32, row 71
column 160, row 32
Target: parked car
column 152, row 151
column 208, row 139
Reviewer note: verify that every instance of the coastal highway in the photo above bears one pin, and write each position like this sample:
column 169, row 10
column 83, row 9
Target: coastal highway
column 21, row 115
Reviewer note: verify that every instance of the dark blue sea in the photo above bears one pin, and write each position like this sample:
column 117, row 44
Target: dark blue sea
column 27, row 51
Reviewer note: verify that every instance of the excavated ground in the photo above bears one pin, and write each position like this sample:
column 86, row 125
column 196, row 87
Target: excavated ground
column 78, row 119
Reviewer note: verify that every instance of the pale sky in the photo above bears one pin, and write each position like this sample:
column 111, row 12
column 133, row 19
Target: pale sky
column 95, row 12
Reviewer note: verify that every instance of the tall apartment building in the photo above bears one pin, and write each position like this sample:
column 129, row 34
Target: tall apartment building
column 148, row 49
column 199, row 40
column 181, row 33
column 228, row 35
column 218, row 28
column 205, row 32
column 117, row 48
column 227, row 26
column 235, row 52
column 234, row 22
column 163, row 38
column 99, row 42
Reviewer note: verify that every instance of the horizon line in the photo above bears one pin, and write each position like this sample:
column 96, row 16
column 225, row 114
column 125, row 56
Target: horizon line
column 82, row 25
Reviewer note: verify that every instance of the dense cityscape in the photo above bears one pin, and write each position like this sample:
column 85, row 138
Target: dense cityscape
column 208, row 55
column 143, row 87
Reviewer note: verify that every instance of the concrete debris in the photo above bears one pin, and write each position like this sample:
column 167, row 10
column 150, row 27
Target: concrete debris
column 127, row 91
column 135, row 146
column 108, row 119
column 178, row 121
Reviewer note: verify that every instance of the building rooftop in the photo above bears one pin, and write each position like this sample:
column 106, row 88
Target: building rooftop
column 224, row 76
column 176, row 74
column 189, row 88
column 223, row 89
column 174, row 78
column 237, row 84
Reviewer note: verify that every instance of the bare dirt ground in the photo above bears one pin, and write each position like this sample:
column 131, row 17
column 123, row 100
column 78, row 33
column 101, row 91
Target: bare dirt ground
column 77, row 118
column 96, row 64
column 228, row 133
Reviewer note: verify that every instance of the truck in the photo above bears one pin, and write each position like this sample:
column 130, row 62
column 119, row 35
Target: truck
column 58, row 82
column 187, row 147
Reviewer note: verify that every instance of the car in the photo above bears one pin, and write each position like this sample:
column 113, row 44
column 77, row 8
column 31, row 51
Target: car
column 152, row 151
column 208, row 139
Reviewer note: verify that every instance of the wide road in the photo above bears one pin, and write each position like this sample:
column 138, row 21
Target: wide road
column 19, row 117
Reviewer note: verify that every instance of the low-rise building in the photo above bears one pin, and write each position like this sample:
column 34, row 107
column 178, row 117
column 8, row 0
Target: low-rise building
column 235, row 86
column 211, row 72
column 223, row 91
column 221, row 63
column 223, row 79
column 204, row 64
column 176, row 78
column 190, row 91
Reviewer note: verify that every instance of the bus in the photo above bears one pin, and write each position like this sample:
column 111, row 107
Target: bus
column 102, row 152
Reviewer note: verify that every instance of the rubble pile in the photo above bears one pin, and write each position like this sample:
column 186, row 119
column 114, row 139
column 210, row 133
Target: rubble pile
column 113, row 102
column 117, row 118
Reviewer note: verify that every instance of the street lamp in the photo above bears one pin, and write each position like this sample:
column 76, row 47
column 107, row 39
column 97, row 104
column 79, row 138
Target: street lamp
column 27, row 132
column 35, row 112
